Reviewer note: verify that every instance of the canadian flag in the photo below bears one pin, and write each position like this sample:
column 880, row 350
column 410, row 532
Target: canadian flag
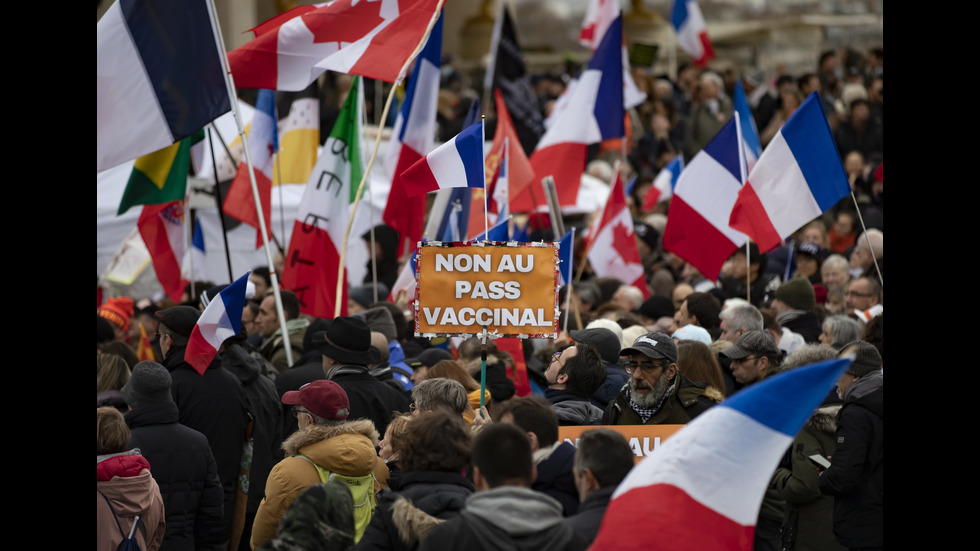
column 371, row 38
column 612, row 250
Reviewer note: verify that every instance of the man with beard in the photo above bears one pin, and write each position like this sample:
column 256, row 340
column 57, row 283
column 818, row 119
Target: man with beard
column 657, row 393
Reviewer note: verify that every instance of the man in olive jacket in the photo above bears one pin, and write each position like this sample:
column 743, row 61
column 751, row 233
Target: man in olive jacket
column 657, row 393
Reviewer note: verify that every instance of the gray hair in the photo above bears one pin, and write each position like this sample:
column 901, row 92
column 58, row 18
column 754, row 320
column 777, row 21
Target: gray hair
column 835, row 262
column 808, row 354
column 440, row 391
column 742, row 316
column 843, row 329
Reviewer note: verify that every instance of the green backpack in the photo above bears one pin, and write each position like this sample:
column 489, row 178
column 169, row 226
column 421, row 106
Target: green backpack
column 361, row 489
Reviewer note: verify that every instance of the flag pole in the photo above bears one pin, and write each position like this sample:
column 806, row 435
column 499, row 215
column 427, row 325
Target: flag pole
column 217, row 196
column 483, row 165
column 374, row 153
column 233, row 100
column 748, row 273
column 864, row 230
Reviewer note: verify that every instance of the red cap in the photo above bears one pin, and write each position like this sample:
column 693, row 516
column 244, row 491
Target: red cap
column 322, row 398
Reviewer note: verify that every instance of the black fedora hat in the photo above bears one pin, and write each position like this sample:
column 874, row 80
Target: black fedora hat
column 347, row 340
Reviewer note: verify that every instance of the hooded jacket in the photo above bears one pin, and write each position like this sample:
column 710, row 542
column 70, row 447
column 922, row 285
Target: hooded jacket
column 571, row 409
column 267, row 409
column 184, row 468
column 347, row 448
column 216, row 406
column 798, row 484
column 124, row 481
column 506, row 517
column 414, row 503
column 855, row 477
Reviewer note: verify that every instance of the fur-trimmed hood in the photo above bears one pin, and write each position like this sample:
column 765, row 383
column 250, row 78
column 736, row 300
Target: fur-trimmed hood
column 825, row 419
column 317, row 433
column 413, row 524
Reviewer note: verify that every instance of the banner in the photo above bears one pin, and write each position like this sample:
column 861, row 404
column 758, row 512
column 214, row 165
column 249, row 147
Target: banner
column 509, row 288
column 643, row 439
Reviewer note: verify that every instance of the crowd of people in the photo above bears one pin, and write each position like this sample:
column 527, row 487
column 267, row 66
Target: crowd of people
column 308, row 433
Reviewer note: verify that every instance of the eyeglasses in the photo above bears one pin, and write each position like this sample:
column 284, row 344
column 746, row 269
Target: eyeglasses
column 297, row 411
column 646, row 368
column 744, row 360
column 857, row 294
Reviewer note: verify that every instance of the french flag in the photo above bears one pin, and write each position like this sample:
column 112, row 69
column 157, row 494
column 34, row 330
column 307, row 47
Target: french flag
column 697, row 225
column 594, row 112
column 703, row 487
column 664, row 184
column 692, row 33
column 798, row 177
column 221, row 320
column 263, row 142
column 454, row 164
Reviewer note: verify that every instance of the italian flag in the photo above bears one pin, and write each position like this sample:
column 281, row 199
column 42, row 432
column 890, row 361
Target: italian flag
column 313, row 259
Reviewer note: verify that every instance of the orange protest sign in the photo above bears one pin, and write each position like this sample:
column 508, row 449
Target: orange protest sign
column 509, row 288
column 643, row 439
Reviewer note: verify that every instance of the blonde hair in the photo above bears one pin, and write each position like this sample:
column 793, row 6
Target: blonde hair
column 112, row 434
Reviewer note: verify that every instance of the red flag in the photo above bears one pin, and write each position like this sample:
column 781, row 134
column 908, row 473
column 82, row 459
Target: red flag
column 162, row 229
column 262, row 144
column 613, row 252
column 519, row 171
column 369, row 38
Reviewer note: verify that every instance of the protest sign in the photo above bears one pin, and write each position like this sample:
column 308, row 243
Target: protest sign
column 507, row 288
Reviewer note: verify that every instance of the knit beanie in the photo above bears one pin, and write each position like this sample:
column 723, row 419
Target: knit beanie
column 117, row 310
column 798, row 294
column 867, row 359
column 149, row 383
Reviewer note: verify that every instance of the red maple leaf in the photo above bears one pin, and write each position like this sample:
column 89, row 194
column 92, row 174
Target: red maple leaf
column 624, row 242
column 342, row 21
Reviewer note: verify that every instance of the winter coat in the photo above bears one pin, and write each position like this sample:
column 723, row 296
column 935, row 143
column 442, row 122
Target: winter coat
column 274, row 350
column 265, row 405
column 501, row 386
column 124, row 481
column 347, row 448
column 184, row 467
column 216, row 406
column 809, row 513
column 616, row 377
column 590, row 512
column 802, row 322
column 855, row 477
column 506, row 517
column 572, row 410
column 369, row 397
column 555, row 476
column 319, row 519
column 686, row 401
column 412, row 505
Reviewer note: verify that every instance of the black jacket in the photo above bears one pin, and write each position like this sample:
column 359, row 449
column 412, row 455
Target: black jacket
column 555, row 478
column 590, row 512
column 369, row 397
column 855, row 477
column 216, row 406
column 182, row 464
column 419, row 497
column 264, row 403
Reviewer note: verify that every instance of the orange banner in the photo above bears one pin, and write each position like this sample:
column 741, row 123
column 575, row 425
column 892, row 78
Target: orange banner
column 643, row 439
column 508, row 288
